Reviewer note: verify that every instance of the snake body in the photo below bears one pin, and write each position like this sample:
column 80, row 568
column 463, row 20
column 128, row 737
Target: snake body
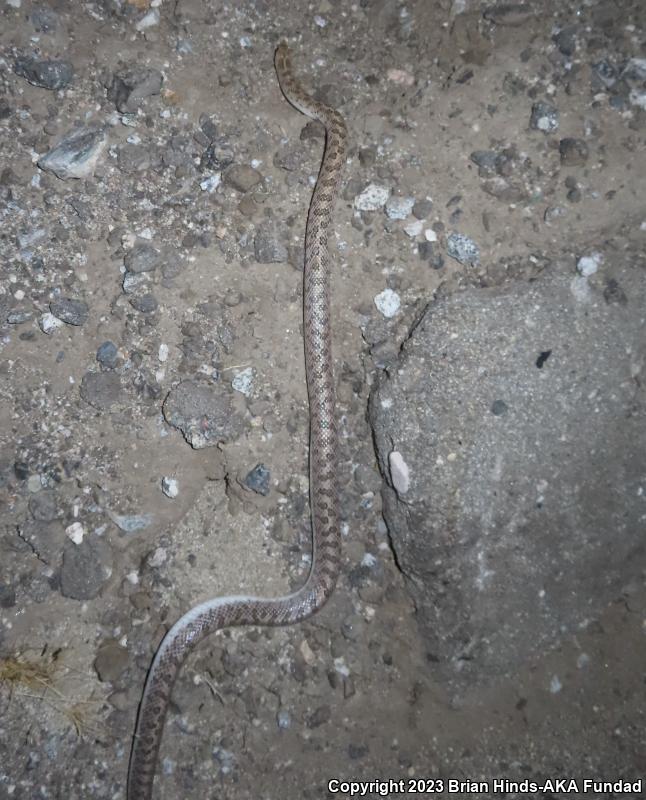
column 222, row 612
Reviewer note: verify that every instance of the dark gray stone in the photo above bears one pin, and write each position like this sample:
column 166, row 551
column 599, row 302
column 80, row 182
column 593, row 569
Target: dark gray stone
column 544, row 117
column 565, row 40
column 218, row 156
column 258, row 479
column 73, row 312
column 77, row 153
column 146, row 303
column 574, row 152
column 46, row 73
column 107, row 355
column 242, row 177
column 101, row 389
column 268, row 249
column 203, row 412
column 142, row 258
column 45, row 538
column 486, row 160
column 131, row 86
column 43, row 505
column 86, row 568
column 515, row 528
column 18, row 316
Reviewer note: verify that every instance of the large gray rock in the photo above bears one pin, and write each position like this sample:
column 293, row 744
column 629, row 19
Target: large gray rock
column 77, row 154
column 511, row 434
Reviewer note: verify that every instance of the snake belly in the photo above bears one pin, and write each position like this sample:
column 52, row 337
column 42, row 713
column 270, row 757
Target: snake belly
column 221, row 612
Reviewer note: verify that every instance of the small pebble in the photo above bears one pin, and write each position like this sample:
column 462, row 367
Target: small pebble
column 149, row 20
column 463, row 249
column 388, row 303
column 283, row 719
column 372, row 198
column 243, row 381
column 544, row 117
column 49, row 323
column 107, row 354
column 258, row 480
column 170, row 487
column 75, row 532
column 588, row 265
column 399, row 472
column 399, row 207
column 574, row 152
column 414, row 229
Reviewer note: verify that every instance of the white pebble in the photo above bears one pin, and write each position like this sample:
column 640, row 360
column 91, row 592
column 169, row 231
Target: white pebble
column 372, row 198
column 243, row 381
column 163, row 352
column 399, row 472
column 211, row 183
column 588, row 265
column 320, row 21
column 401, row 77
column 414, row 229
column 75, row 532
column 49, row 323
column 430, row 235
column 555, row 685
column 388, row 303
column 149, row 20
column 158, row 557
column 170, row 487
column 399, row 207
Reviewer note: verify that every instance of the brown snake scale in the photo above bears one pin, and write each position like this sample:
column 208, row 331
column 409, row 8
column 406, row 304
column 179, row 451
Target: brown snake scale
column 222, row 612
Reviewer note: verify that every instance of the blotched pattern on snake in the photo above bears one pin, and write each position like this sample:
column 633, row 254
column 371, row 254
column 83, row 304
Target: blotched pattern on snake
column 221, row 612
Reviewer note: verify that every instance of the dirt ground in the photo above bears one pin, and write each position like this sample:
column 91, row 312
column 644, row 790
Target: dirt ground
column 113, row 525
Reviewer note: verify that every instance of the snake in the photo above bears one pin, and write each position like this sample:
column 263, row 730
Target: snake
column 221, row 612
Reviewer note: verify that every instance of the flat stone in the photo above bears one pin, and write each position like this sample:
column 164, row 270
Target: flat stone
column 107, row 355
column 111, row 661
column 574, row 152
column 203, row 412
column 45, row 537
column 77, row 154
column 268, row 248
column 544, row 117
column 46, row 73
column 86, row 568
column 101, row 389
column 242, row 177
column 258, row 479
column 43, row 505
column 145, row 303
column 73, row 312
column 131, row 86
